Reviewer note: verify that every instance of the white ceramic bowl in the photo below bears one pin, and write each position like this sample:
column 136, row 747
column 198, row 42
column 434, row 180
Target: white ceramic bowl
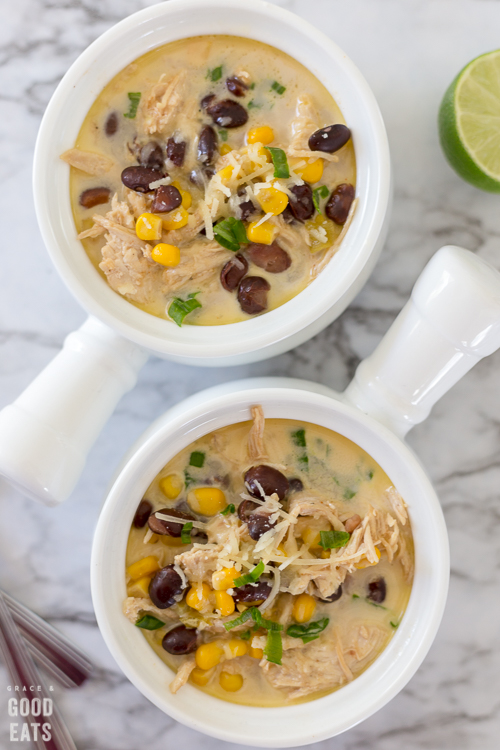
column 329, row 294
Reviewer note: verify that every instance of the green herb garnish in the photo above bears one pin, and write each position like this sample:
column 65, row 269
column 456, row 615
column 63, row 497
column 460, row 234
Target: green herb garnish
column 252, row 86
column 148, row 622
column 299, row 438
column 228, row 509
column 370, row 474
column 278, row 156
column 319, row 193
column 223, row 135
column 197, row 458
column 275, row 86
column 355, row 596
column 186, row 533
column 394, row 624
column 134, row 99
column 368, row 601
column 274, row 647
column 251, row 577
column 246, row 635
column 179, row 308
column 230, row 233
column 334, row 539
column 308, row 632
column 252, row 105
column 188, row 479
column 252, row 613
column 348, row 494
column 215, row 74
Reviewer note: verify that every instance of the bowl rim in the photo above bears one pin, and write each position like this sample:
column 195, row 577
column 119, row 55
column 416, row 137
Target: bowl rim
column 283, row 726
column 337, row 283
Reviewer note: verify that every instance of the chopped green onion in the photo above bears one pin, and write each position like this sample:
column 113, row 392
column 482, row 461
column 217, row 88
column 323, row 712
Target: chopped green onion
column 197, row 458
column 370, row 474
column 215, row 74
column 275, row 86
column 308, row 632
column 278, row 156
column 299, row 438
column 188, row 479
column 254, row 614
column 274, row 647
column 252, row 105
column 244, row 617
column 230, row 233
column 148, row 622
column 394, row 624
column 368, row 601
column 227, row 510
column 186, row 533
column 134, row 99
column 223, row 135
column 355, row 596
column 251, row 577
column 179, row 308
column 246, row 635
column 318, row 193
column 334, row 539
column 252, row 86
column 348, row 494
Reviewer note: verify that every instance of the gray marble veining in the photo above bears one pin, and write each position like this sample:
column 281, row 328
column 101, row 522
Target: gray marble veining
column 409, row 50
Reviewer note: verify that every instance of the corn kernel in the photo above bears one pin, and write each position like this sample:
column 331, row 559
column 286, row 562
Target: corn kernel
column 282, row 550
column 148, row 227
column 144, row 567
column 166, row 255
column 311, row 537
column 171, row 486
column 176, row 219
column 364, row 563
column 263, row 234
column 230, row 682
column 208, row 655
column 224, row 579
column 272, row 201
column 303, row 608
column 226, row 172
column 310, row 172
column 225, row 149
column 171, row 541
column 321, row 232
column 198, row 597
column 140, row 588
column 325, row 553
column 207, row 500
column 256, row 653
column 185, row 195
column 225, row 603
column 201, row 677
column 264, row 135
column 235, row 647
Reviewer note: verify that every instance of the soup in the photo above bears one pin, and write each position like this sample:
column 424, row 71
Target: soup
column 212, row 180
column 269, row 562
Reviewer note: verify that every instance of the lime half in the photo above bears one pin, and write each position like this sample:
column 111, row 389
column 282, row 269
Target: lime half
column 469, row 122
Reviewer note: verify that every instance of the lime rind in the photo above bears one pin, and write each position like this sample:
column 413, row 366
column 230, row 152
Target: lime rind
column 469, row 122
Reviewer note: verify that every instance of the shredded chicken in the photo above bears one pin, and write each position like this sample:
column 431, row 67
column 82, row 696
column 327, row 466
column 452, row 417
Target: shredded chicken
column 133, row 605
column 302, row 127
column 162, row 102
column 199, row 563
column 256, row 447
column 87, row 161
column 183, row 674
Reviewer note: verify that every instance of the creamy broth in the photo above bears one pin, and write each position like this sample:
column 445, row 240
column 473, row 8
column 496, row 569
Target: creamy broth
column 329, row 487
column 278, row 94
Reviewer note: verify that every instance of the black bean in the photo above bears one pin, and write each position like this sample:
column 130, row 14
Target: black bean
column 339, row 203
column 207, row 143
column 227, row 113
column 301, row 205
column 139, row 178
column 142, row 514
column 329, row 139
column 94, row 197
column 271, row 480
column 151, row 156
column 207, row 100
column 236, row 86
column 167, row 197
column 272, row 258
column 165, row 586
column 258, row 524
column 159, row 526
column 245, row 509
column 176, row 151
column 295, row 485
column 111, row 125
column 287, row 215
column 335, row 596
column 252, row 294
column 233, row 272
column 377, row 590
column 180, row 640
column 199, row 537
column 252, row 593
column 247, row 209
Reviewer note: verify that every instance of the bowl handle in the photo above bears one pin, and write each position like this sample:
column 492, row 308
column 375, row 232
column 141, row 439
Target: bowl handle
column 46, row 434
column 451, row 321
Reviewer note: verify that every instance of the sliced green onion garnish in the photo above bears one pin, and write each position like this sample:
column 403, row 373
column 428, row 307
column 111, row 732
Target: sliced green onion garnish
column 348, row 493
column 230, row 233
column 279, row 160
column 223, row 135
column 252, row 105
column 251, row 577
column 247, row 634
column 275, row 86
column 148, row 622
column 179, row 308
column 215, row 74
column 186, row 533
column 334, row 539
column 274, row 647
column 228, row 509
column 197, row 458
column 134, row 99
column 394, row 624
column 244, row 617
column 308, row 632
column 254, row 614
column 299, row 438
column 319, row 193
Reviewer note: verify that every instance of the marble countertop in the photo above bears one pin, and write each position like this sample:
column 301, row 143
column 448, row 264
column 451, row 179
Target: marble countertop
column 409, row 51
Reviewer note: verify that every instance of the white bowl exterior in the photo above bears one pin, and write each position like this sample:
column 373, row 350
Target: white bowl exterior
column 327, row 716
column 328, row 295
